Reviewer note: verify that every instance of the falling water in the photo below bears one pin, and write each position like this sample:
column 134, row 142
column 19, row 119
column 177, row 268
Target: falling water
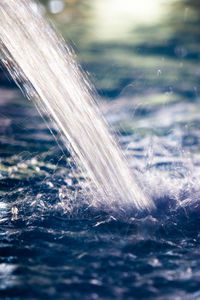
column 46, row 70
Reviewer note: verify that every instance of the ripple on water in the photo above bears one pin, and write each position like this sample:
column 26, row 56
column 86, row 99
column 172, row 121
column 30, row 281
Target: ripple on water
column 52, row 244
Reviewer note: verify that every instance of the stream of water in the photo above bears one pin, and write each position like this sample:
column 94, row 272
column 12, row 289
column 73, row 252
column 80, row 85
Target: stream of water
column 47, row 70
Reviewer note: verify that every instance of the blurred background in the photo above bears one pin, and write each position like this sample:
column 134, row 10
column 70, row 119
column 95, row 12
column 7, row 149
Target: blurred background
column 134, row 47
column 142, row 54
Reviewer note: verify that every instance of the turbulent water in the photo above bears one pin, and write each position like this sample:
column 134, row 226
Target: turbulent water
column 45, row 66
column 49, row 250
column 54, row 244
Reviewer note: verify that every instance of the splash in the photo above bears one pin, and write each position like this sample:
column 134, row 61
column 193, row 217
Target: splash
column 45, row 69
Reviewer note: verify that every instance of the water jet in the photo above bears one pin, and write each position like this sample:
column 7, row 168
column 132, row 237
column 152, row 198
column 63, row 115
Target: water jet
column 45, row 69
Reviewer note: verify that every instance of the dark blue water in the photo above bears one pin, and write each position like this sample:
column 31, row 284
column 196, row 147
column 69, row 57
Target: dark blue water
column 52, row 245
